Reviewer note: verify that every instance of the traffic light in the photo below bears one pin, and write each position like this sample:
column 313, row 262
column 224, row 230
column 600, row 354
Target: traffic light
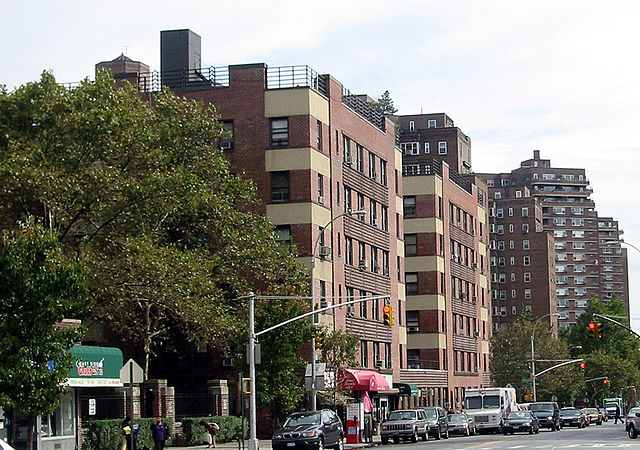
column 595, row 329
column 606, row 382
column 387, row 315
column 582, row 366
column 319, row 340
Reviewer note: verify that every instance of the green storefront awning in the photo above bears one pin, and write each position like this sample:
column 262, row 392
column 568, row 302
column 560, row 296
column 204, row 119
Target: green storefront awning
column 408, row 389
column 95, row 366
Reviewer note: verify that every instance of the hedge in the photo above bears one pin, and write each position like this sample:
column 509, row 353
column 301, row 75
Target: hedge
column 107, row 434
column 229, row 427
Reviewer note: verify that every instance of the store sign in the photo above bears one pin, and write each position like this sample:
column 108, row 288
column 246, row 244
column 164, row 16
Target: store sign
column 95, row 366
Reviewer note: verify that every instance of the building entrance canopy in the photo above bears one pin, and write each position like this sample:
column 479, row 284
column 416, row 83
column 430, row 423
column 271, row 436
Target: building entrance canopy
column 95, row 367
column 363, row 380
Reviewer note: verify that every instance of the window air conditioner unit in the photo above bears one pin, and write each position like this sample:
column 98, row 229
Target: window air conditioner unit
column 476, row 334
column 474, row 299
column 474, row 265
column 350, row 160
column 362, row 264
column 463, row 295
column 321, row 199
column 324, row 251
column 412, row 329
column 374, row 174
column 374, row 222
column 378, row 364
column 227, row 362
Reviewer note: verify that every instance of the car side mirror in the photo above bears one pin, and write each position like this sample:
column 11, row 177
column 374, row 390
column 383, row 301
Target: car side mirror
column 638, row 414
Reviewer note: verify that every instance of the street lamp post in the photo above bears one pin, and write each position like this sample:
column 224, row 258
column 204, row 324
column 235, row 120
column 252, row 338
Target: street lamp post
column 533, row 353
column 313, row 305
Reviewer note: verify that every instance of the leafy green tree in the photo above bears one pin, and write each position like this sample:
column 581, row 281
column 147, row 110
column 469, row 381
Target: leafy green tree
column 614, row 355
column 509, row 364
column 39, row 286
column 141, row 194
column 384, row 104
column 339, row 351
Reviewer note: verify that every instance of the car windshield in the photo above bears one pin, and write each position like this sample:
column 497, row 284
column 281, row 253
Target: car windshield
column 485, row 401
column 310, row 418
column 457, row 418
column 592, row 411
column 402, row 415
column 610, row 405
column 519, row 415
column 570, row 413
column 431, row 413
column 541, row 407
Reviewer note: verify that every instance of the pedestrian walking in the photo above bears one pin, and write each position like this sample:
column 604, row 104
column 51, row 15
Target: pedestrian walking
column 160, row 433
column 210, row 431
column 127, row 434
column 617, row 415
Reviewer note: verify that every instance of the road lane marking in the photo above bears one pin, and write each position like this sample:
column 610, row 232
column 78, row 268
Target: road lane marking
column 485, row 444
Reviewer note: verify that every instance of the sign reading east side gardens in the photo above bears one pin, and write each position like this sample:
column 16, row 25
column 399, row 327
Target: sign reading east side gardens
column 95, row 366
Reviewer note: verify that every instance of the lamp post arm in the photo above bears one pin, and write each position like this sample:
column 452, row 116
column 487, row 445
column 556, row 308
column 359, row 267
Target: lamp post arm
column 571, row 361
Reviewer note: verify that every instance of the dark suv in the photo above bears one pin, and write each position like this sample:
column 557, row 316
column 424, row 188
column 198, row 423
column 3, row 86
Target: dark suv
column 310, row 430
column 438, row 422
column 548, row 414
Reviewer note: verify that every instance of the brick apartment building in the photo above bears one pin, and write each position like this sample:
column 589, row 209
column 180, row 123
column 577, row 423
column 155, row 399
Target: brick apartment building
column 315, row 152
column 446, row 256
column 582, row 240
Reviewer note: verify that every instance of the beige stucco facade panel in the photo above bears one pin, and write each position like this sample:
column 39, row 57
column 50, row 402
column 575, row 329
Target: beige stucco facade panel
column 423, row 225
column 297, row 159
column 297, row 213
column 482, row 249
column 482, row 281
column 482, row 214
column 296, row 102
column 400, row 247
column 402, row 293
column 484, row 314
column 402, row 336
column 422, row 185
column 485, row 346
column 427, row 340
column 424, row 264
column 398, row 157
column 399, row 205
column 426, row 302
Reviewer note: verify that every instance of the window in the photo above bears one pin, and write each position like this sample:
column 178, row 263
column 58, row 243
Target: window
column 525, row 228
column 427, row 150
column 525, row 212
column 385, row 263
column 563, row 302
column 413, row 321
column 410, row 206
column 410, row 148
column 560, row 222
column 283, row 233
column 319, row 133
column 346, row 148
column 359, row 158
column 280, row 186
column 526, row 260
column 578, row 245
column 582, row 268
column 383, row 172
column 411, row 283
column 372, row 166
column 561, row 268
column 384, row 216
column 578, row 233
column 410, row 244
column 559, row 233
column 499, row 213
column 442, row 148
column 512, row 261
column 512, row 245
column 525, row 244
column 514, row 310
column 347, row 199
column 280, row 132
column 373, row 213
column 518, row 194
column 548, row 176
column 364, row 354
column 360, row 206
column 348, row 250
column 558, row 209
column 514, row 293
column 320, row 188
column 412, row 125
column 490, row 183
column 577, row 222
column 431, row 123
column 511, row 228
column 226, row 142
column 497, row 195
column 527, row 293
column 501, row 245
column 504, row 182
column 363, row 305
column 60, row 423
column 500, row 229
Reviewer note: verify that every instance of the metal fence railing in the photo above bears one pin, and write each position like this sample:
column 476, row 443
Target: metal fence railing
column 296, row 76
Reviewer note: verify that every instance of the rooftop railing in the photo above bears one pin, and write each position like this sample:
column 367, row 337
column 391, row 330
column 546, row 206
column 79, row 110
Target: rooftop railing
column 296, row 76
column 363, row 108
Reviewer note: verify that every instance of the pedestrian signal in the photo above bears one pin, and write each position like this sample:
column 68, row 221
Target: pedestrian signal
column 387, row 315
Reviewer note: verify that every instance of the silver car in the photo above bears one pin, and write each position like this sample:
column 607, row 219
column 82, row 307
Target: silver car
column 462, row 424
column 407, row 424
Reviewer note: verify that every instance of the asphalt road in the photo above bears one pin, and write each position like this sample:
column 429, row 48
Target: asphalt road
column 607, row 435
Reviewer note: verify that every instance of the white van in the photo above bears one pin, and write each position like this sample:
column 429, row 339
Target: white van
column 490, row 406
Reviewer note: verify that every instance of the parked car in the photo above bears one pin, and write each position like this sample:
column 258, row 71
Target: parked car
column 632, row 422
column 463, row 424
column 521, row 421
column 407, row 424
column 5, row 446
column 572, row 417
column 594, row 414
column 310, row 430
column 438, row 423
column 548, row 414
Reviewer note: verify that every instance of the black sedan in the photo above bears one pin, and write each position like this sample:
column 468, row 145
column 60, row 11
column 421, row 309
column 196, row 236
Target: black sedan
column 521, row 421
column 573, row 418
column 314, row 430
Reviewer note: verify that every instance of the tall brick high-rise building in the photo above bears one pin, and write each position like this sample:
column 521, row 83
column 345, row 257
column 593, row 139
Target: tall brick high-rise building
column 583, row 241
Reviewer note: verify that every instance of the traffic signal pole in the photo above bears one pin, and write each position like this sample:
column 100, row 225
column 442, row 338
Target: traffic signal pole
column 601, row 316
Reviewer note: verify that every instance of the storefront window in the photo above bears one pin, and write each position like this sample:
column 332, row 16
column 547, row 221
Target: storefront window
column 60, row 423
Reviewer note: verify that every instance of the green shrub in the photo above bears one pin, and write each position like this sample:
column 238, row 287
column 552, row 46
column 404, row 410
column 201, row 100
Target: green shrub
column 229, row 428
column 107, row 434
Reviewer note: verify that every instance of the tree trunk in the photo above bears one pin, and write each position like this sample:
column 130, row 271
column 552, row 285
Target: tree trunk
column 147, row 338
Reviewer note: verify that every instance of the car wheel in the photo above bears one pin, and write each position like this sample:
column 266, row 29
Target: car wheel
column 396, row 440
column 340, row 443
column 384, row 440
column 467, row 432
column 633, row 433
column 414, row 436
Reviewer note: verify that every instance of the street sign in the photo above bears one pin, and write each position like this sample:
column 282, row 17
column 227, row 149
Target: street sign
column 528, row 355
column 92, row 406
column 526, row 380
column 131, row 369
column 256, row 353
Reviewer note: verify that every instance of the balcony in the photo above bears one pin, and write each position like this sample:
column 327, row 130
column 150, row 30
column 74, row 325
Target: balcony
column 422, row 364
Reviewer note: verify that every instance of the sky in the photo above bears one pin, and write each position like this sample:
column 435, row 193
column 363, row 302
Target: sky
column 558, row 76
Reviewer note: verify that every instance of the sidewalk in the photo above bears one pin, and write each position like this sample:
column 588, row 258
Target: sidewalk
column 266, row 445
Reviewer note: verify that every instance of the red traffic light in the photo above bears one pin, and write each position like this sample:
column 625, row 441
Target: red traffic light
column 592, row 325
column 583, row 365
column 606, row 382
column 386, row 309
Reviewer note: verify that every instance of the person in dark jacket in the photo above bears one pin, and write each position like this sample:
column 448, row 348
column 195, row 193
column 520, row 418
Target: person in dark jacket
column 127, row 434
column 617, row 415
column 160, row 433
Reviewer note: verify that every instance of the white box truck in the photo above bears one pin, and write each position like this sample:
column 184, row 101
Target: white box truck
column 490, row 406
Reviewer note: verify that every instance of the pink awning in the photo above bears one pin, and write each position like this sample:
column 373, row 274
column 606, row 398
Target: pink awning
column 362, row 380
